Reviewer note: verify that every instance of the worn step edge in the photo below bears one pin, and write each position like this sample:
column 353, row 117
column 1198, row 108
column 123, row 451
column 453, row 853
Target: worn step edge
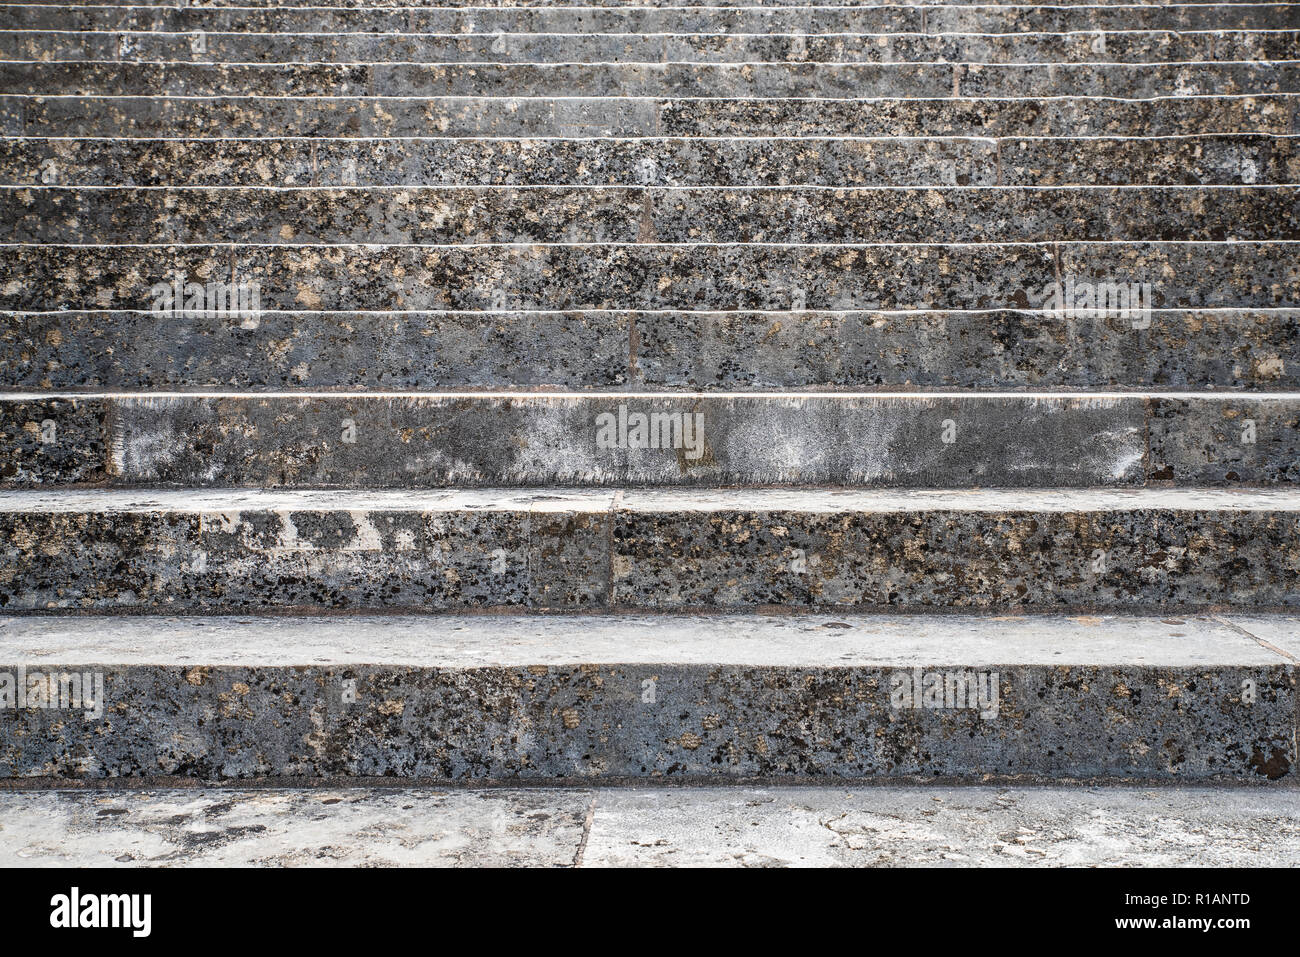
column 664, row 698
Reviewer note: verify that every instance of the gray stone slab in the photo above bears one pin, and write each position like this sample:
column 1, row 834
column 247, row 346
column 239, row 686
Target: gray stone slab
column 194, row 550
column 653, row 276
column 322, row 827
column 1242, row 159
column 177, row 116
column 1230, row 715
column 1279, row 632
column 944, row 827
column 696, row 351
column 635, row 79
column 546, row 214
column 649, row 19
column 882, row 826
column 423, row 550
column 579, row 162
column 1212, row 442
column 805, row 46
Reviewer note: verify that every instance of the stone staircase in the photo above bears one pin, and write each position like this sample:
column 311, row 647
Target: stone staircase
column 553, row 393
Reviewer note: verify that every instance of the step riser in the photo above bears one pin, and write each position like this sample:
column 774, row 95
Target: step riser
column 1189, row 161
column 690, row 277
column 879, row 19
column 667, row 440
column 496, row 116
column 667, row 215
column 694, row 351
column 591, row 722
column 1137, row 81
column 646, row 554
column 239, row 47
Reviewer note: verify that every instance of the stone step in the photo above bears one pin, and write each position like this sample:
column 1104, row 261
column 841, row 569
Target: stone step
column 715, row 81
column 713, row 351
column 200, row 550
column 666, row 699
column 646, row 276
column 945, row 440
column 928, row 5
column 363, row 116
column 546, row 214
column 696, row 47
column 1240, row 159
column 649, row 19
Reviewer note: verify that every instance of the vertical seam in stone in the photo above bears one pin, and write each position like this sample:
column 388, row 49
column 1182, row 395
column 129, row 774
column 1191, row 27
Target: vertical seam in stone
column 615, row 501
column 998, row 158
column 633, row 341
column 587, row 821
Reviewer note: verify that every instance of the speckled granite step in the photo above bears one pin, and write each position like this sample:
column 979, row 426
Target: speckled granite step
column 1179, row 350
column 804, row 46
column 545, row 214
column 649, row 19
column 196, row 550
column 705, row 80
column 362, row 116
column 1240, row 159
column 614, row 4
column 651, row 276
column 672, row 699
column 467, row 439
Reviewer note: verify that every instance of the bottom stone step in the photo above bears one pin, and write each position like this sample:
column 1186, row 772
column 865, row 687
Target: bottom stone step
column 651, row 698
column 873, row 826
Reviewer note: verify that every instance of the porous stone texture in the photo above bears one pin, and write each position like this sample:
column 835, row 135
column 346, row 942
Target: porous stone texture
column 766, row 19
column 503, row 116
column 663, row 549
column 751, row 276
column 1191, row 160
column 423, row 215
column 696, row 350
column 1189, row 699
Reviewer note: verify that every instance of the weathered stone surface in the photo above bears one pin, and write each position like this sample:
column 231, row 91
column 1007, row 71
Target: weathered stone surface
column 1243, row 275
column 46, row 439
column 249, row 116
column 649, row 47
column 447, row 215
column 1244, row 159
column 649, row 19
column 913, row 549
column 546, row 162
column 199, row 550
column 966, row 350
column 344, row 350
column 298, row 827
column 880, row 826
column 1209, row 442
column 581, row 699
column 538, row 440
column 645, row 826
column 704, row 80
column 709, row 351
column 428, row 551
column 422, row 440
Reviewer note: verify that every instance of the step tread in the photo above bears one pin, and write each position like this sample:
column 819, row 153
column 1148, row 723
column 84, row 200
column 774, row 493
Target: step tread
column 812, row 641
column 534, row 500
